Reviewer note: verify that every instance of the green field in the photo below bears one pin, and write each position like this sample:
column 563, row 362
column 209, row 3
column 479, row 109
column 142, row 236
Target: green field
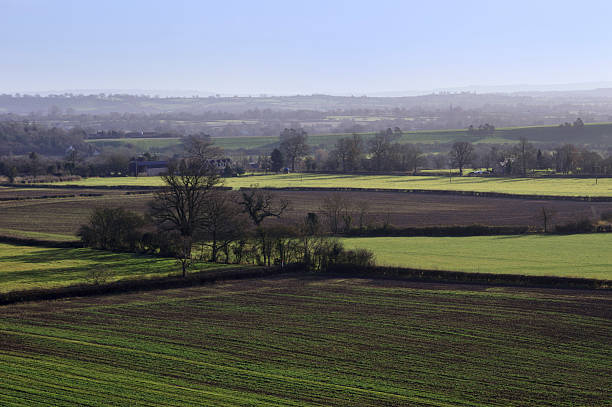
column 25, row 267
column 310, row 341
column 27, row 234
column 593, row 133
column 585, row 255
column 520, row 186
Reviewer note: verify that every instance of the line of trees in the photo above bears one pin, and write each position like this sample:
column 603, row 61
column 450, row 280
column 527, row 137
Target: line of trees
column 523, row 158
column 191, row 211
column 384, row 153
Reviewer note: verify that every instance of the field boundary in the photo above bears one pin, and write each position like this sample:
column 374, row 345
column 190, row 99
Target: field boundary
column 444, row 192
column 461, row 277
column 100, row 187
column 337, row 270
column 503, row 195
column 56, row 244
column 134, row 285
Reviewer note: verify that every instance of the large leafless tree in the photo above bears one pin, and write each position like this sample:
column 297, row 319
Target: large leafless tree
column 294, row 145
column 180, row 206
column 461, row 154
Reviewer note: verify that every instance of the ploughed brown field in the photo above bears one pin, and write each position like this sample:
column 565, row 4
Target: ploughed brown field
column 65, row 215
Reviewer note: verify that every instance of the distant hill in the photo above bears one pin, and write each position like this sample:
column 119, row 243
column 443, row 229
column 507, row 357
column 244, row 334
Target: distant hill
column 125, row 103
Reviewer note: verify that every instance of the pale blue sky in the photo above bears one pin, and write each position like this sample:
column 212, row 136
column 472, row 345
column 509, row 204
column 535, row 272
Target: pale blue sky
column 281, row 47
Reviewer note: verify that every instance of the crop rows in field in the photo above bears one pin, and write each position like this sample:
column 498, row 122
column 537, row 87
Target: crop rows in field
column 311, row 342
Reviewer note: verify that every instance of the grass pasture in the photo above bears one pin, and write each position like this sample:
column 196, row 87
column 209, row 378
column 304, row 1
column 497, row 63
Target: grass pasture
column 584, row 255
column 308, row 341
column 145, row 144
column 25, row 267
column 519, row 186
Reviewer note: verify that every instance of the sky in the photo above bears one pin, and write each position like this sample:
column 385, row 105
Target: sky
column 301, row 47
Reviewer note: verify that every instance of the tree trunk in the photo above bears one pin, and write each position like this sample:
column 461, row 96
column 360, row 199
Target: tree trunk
column 215, row 249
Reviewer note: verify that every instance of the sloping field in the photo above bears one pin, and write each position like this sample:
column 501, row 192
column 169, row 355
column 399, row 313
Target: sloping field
column 593, row 133
column 26, row 267
column 60, row 218
column 584, row 255
column 519, row 186
column 144, row 143
column 311, row 342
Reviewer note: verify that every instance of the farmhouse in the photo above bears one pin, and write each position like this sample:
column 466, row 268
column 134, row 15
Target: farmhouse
column 148, row 168
column 503, row 167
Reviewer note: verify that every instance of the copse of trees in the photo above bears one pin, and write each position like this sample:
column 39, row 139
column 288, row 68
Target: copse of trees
column 226, row 235
column 381, row 153
column 483, row 130
column 113, row 229
column 349, row 152
column 18, row 138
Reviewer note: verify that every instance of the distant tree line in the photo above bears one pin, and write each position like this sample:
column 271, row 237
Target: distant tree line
column 383, row 152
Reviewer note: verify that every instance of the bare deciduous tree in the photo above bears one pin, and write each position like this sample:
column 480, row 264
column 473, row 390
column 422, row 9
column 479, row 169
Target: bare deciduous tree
column 461, row 154
column 294, row 145
column 224, row 224
column 337, row 209
column 259, row 205
column 181, row 204
column 546, row 215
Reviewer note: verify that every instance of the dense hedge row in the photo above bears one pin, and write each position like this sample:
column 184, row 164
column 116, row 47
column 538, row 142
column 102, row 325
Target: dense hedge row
column 440, row 276
column 345, row 270
column 25, row 198
column 40, row 243
column 111, row 187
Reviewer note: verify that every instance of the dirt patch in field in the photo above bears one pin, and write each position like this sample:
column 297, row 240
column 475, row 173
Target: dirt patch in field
column 413, row 210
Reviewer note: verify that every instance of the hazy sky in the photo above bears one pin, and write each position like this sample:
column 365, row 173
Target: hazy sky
column 280, row 47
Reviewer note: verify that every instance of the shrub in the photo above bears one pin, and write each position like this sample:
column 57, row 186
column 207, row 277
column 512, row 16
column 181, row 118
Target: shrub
column 112, row 229
column 359, row 258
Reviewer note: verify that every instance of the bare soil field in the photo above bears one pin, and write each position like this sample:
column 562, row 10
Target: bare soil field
column 410, row 210
column 65, row 215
